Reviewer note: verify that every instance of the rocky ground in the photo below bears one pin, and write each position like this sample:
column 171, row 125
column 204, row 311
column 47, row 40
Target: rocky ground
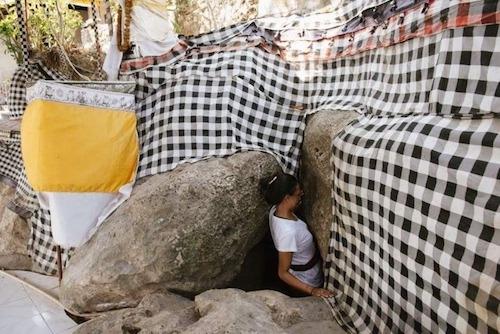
column 14, row 234
column 219, row 311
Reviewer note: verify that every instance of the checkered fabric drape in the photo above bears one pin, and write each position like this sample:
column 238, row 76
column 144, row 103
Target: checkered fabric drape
column 414, row 244
column 415, row 238
column 23, row 36
column 10, row 158
column 415, row 241
column 216, row 105
column 25, row 76
column 41, row 247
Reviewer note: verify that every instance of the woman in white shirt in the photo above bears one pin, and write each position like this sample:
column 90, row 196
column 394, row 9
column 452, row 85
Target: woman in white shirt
column 299, row 261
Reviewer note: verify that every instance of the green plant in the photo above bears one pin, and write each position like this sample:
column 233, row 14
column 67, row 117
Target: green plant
column 9, row 31
column 50, row 23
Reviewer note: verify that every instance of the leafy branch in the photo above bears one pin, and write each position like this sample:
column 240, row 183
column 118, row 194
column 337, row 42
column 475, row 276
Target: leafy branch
column 47, row 27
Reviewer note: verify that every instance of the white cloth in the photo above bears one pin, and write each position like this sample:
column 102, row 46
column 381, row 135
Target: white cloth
column 113, row 60
column 285, row 7
column 151, row 30
column 76, row 216
column 293, row 236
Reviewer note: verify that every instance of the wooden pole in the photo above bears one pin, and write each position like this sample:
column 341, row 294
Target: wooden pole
column 59, row 264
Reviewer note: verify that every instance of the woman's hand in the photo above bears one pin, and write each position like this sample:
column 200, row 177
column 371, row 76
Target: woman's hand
column 319, row 292
column 285, row 260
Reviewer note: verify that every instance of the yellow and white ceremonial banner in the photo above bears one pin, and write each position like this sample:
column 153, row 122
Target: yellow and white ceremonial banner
column 80, row 150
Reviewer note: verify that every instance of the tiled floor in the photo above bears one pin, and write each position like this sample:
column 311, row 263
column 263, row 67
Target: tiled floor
column 24, row 310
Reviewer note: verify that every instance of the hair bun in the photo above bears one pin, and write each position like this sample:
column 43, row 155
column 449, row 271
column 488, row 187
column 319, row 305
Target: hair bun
column 277, row 187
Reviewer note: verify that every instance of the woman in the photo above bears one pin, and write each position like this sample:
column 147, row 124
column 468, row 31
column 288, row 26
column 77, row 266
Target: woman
column 299, row 264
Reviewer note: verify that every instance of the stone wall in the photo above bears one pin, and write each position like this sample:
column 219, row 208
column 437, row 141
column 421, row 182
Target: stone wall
column 316, row 171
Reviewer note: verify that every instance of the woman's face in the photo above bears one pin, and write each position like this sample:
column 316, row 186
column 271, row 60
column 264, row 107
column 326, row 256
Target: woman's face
column 296, row 197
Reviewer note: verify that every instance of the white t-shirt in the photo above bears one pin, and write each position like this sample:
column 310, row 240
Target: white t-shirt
column 293, row 236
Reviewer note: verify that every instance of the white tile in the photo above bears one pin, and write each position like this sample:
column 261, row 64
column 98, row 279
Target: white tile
column 18, row 308
column 25, row 310
column 33, row 325
column 22, row 317
column 42, row 302
column 53, row 313
column 57, row 320
column 11, row 290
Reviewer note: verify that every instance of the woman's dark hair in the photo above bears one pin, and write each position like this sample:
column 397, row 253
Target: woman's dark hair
column 277, row 187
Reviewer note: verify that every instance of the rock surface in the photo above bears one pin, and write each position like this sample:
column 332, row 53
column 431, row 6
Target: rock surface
column 316, row 327
column 287, row 311
column 232, row 311
column 315, row 171
column 229, row 311
column 187, row 230
column 157, row 313
column 14, row 234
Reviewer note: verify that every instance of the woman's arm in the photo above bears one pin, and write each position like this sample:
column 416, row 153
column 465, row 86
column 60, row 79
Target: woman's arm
column 285, row 260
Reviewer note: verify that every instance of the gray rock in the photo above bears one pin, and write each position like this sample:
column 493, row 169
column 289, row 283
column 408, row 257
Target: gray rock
column 288, row 311
column 157, row 313
column 187, row 230
column 232, row 311
column 14, row 234
column 316, row 327
column 228, row 311
column 315, row 171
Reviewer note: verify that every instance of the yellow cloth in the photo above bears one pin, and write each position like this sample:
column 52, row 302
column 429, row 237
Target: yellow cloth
column 74, row 148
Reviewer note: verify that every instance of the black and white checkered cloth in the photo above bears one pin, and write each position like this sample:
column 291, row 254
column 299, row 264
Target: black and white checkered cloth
column 9, row 150
column 41, row 246
column 216, row 105
column 10, row 156
column 25, row 76
column 23, row 30
column 415, row 238
column 345, row 10
column 16, row 99
column 415, row 241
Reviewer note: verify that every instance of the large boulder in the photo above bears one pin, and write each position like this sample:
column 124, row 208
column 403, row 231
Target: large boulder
column 187, row 230
column 228, row 311
column 316, row 171
column 14, row 234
